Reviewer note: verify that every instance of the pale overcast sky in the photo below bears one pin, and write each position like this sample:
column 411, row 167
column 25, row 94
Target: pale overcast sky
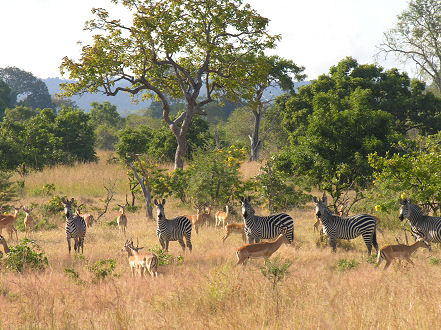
column 37, row 34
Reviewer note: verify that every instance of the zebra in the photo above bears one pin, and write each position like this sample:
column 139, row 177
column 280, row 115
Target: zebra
column 257, row 228
column 421, row 225
column 75, row 226
column 172, row 230
column 336, row 227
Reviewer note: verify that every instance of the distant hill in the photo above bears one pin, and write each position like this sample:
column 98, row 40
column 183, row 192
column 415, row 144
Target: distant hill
column 122, row 101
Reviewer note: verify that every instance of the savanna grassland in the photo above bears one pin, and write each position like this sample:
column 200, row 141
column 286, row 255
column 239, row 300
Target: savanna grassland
column 205, row 289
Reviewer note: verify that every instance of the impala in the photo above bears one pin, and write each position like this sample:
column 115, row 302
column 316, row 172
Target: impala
column 234, row 228
column 28, row 220
column 260, row 250
column 400, row 251
column 88, row 218
column 7, row 222
column 122, row 219
column 141, row 262
column 222, row 216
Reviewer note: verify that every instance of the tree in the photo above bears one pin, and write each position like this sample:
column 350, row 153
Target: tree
column 417, row 37
column 5, row 94
column 26, row 89
column 104, row 114
column 20, row 113
column 173, row 50
column 262, row 74
column 338, row 120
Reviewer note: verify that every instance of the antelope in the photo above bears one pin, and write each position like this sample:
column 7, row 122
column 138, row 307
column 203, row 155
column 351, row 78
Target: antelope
column 28, row 220
column 207, row 218
column 122, row 219
column 317, row 224
column 260, row 250
column 5, row 246
column 197, row 220
column 222, row 216
column 88, row 218
column 7, row 222
column 400, row 251
column 141, row 262
column 234, row 228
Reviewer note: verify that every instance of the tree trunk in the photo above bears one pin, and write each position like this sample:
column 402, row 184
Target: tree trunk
column 256, row 144
column 146, row 192
column 180, row 151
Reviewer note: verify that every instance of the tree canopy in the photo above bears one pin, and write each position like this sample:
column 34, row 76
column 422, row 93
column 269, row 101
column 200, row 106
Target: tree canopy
column 171, row 50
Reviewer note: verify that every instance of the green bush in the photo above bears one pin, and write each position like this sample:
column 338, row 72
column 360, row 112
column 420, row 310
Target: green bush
column 102, row 269
column 275, row 270
column 344, row 264
column 25, row 256
column 435, row 261
column 165, row 258
column 53, row 206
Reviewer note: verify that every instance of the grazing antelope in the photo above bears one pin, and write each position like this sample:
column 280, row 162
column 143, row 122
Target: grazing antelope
column 122, row 219
column 269, row 227
column 75, row 226
column 141, row 262
column 222, row 216
column 337, row 227
column 7, row 222
column 235, row 228
column 28, row 221
column 207, row 217
column 172, row 230
column 317, row 224
column 260, row 250
column 5, row 246
column 400, row 251
column 88, row 218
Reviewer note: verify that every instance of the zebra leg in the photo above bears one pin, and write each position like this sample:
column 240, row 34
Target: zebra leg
column 188, row 241
column 368, row 241
column 374, row 241
column 81, row 244
column 161, row 241
column 333, row 243
column 166, row 245
column 181, row 242
column 68, row 244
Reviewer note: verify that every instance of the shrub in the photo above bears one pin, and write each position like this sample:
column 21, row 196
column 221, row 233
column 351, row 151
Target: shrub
column 275, row 270
column 25, row 256
column 165, row 258
column 344, row 264
column 53, row 206
column 102, row 269
column 434, row 261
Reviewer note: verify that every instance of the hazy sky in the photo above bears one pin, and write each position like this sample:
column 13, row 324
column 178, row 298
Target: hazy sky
column 37, row 34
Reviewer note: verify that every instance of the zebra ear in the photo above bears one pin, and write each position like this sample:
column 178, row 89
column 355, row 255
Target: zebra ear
column 72, row 200
column 241, row 199
column 155, row 202
column 249, row 199
column 163, row 202
column 315, row 199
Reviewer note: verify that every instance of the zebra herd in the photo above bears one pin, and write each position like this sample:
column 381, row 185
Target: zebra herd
column 424, row 227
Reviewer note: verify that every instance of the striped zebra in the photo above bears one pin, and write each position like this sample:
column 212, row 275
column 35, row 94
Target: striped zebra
column 336, row 227
column 421, row 225
column 257, row 228
column 75, row 227
column 172, row 230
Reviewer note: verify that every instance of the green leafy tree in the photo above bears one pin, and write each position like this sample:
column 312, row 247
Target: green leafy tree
column 104, row 114
column 8, row 190
column 414, row 170
column 261, row 74
column 416, row 37
column 5, row 94
column 173, row 50
column 20, row 113
column 26, row 89
column 77, row 135
column 106, row 137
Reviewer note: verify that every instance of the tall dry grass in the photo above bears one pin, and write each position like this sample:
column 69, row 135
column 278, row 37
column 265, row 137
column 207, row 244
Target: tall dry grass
column 207, row 290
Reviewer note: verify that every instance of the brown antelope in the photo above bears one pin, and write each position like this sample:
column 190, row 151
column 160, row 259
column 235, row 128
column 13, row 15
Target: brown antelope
column 317, row 224
column 207, row 217
column 88, row 218
column 5, row 246
column 197, row 219
column 222, row 216
column 141, row 262
column 28, row 221
column 234, row 228
column 122, row 219
column 7, row 222
column 400, row 251
column 260, row 250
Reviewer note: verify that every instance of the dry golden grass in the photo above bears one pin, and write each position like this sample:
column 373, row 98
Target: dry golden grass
column 207, row 290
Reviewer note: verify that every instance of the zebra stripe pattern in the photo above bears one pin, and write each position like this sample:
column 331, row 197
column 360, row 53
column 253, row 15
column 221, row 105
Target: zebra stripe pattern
column 336, row 227
column 421, row 225
column 172, row 230
column 75, row 227
column 257, row 228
